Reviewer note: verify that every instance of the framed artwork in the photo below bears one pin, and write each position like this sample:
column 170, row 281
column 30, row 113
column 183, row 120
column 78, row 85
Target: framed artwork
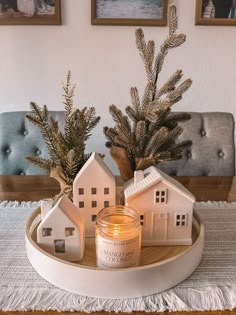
column 30, row 12
column 215, row 12
column 129, row 12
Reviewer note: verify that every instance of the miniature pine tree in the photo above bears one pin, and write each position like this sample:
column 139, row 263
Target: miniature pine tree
column 147, row 134
column 66, row 149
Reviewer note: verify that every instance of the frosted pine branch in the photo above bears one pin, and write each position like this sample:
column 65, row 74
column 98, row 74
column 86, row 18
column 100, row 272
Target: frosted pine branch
column 135, row 99
column 148, row 134
column 140, row 41
column 148, row 95
column 182, row 88
column 66, row 149
column 172, row 20
column 169, row 85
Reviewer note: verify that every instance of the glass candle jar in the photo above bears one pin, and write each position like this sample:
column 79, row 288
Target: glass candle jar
column 118, row 237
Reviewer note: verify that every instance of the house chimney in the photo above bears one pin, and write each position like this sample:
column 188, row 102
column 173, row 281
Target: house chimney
column 138, row 176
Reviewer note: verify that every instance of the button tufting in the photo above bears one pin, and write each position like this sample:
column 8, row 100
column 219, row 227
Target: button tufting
column 25, row 132
column 203, row 133
column 38, row 152
column 189, row 154
column 8, row 151
column 221, row 154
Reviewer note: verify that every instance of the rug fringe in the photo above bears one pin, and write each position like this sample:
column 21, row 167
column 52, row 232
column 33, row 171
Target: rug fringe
column 19, row 204
column 176, row 299
column 214, row 204
column 197, row 205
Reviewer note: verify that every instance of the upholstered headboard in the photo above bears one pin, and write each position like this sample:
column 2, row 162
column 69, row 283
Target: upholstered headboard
column 213, row 150
column 19, row 138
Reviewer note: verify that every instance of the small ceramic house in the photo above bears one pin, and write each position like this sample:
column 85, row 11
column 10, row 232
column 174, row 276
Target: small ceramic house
column 94, row 188
column 165, row 207
column 61, row 230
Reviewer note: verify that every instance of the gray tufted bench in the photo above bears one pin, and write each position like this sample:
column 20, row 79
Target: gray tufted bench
column 212, row 153
column 213, row 149
column 19, row 138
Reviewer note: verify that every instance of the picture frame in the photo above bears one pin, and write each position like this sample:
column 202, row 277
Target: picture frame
column 101, row 14
column 27, row 13
column 222, row 14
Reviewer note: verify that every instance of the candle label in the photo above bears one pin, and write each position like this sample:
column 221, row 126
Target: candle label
column 117, row 253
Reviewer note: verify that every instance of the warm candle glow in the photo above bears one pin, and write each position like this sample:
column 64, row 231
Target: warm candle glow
column 118, row 237
column 116, row 230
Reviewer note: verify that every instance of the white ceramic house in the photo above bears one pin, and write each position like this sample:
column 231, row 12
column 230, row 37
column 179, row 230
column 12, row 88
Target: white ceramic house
column 165, row 207
column 61, row 230
column 94, row 188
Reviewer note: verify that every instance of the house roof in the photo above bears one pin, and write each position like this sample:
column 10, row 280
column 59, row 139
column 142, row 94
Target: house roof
column 68, row 208
column 153, row 175
column 95, row 158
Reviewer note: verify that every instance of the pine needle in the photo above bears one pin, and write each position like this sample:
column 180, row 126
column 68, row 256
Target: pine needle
column 149, row 133
column 66, row 149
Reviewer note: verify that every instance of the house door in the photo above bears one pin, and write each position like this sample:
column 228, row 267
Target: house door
column 159, row 228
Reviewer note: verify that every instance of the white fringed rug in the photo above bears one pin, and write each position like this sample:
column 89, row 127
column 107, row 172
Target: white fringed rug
column 211, row 287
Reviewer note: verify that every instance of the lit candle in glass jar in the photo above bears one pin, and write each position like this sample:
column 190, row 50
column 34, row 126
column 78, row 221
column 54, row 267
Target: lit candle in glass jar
column 118, row 237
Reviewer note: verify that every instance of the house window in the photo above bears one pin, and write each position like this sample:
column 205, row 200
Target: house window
column 161, row 196
column 81, row 204
column 69, row 231
column 106, row 191
column 106, row 203
column 94, row 204
column 94, row 217
column 81, row 191
column 141, row 219
column 46, row 232
column 59, row 246
column 181, row 220
column 93, row 191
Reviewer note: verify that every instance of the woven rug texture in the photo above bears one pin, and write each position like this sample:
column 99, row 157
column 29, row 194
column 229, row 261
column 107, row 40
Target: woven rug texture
column 211, row 287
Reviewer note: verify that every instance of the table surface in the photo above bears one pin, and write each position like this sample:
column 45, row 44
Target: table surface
column 15, row 187
column 32, row 188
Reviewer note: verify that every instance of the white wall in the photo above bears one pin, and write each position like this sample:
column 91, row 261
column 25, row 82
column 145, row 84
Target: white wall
column 105, row 64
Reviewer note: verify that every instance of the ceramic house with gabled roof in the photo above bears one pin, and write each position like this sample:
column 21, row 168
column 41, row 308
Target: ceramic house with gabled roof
column 94, row 188
column 61, row 230
column 165, row 207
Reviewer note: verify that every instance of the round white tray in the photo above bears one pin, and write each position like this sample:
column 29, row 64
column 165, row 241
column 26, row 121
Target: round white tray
column 161, row 267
